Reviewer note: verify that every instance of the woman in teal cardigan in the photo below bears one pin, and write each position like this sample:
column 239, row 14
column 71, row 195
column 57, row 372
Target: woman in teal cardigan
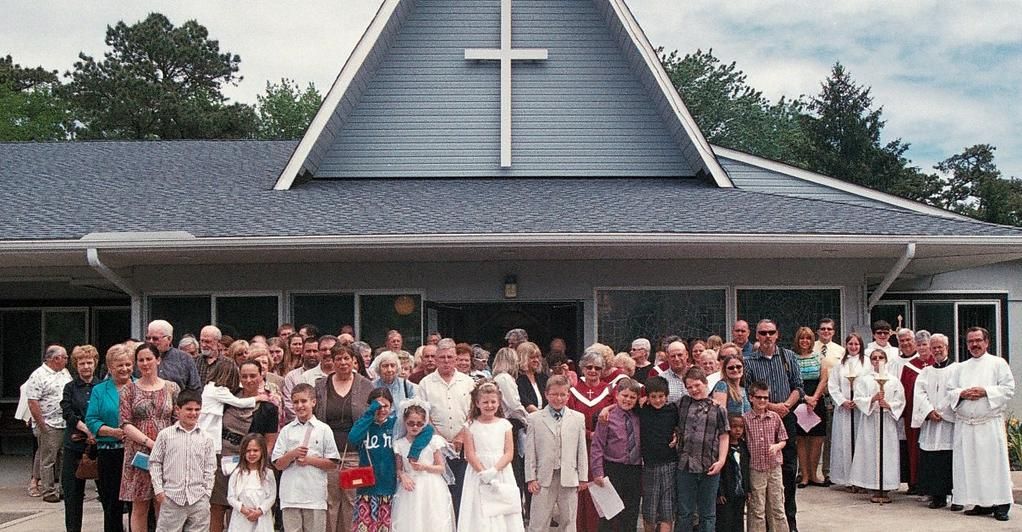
column 104, row 420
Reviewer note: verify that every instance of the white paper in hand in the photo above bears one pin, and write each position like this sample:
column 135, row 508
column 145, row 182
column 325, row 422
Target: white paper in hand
column 608, row 503
column 806, row 418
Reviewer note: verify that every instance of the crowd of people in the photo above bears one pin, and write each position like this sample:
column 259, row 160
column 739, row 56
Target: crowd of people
column 315, row 432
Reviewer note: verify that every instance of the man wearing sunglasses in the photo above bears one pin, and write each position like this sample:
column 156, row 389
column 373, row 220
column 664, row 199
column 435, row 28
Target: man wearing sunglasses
column 175, row 364
column 778, row 368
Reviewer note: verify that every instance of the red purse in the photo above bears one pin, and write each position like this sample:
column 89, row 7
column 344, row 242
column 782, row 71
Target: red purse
column 357, row 477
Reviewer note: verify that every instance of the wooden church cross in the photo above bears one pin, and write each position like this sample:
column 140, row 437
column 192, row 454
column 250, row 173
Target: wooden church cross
column 505, row 54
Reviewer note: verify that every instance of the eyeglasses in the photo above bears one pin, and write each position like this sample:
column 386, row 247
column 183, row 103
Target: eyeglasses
column 878, row 358
column 593, row 367
column 767, row 333
column 414, row 424
column 763, row 397
column 155, row 338
column 737, row 366
column 826, row 328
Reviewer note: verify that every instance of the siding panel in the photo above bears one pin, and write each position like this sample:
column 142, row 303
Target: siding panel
column 427, row 112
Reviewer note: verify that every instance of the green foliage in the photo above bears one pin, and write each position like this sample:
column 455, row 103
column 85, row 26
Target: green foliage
column 729, row 111
column 158, row 81
column 29, row 109
column 975, row 187
column 1013, row 428
column 843, row 136
column 285, row 112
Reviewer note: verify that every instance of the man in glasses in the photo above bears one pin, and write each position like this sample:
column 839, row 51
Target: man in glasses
column 831, row 352
column 778, row 368
column 640, row 354
column 175, row 364
column 881, row 340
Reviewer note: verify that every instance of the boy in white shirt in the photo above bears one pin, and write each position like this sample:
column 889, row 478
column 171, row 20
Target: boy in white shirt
column 305, row 451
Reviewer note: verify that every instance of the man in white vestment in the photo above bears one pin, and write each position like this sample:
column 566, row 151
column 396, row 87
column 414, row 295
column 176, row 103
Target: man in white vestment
column 936, row 424
column 979, row 390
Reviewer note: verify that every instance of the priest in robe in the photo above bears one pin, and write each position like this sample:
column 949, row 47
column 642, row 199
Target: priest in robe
column 936, row 425
column 913, row 357
column 875, row 405
column 979, row 391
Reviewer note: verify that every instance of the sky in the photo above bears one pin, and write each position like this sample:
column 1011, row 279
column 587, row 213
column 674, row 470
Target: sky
column 948, row 74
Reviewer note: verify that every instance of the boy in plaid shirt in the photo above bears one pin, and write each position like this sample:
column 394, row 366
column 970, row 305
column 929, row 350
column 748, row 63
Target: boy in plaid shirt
column 765, row 437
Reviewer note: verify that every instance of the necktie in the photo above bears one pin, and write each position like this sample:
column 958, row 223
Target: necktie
column 557, row 415
column 823, row 351
column 630, row 430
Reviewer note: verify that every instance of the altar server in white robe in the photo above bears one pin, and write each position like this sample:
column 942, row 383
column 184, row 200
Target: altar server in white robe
column 936, row 424
column 873, row 404
column 979, row 391
column 845, row 411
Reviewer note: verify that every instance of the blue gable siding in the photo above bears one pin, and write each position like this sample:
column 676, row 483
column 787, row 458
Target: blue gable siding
column 756, row 179
column 428, row 112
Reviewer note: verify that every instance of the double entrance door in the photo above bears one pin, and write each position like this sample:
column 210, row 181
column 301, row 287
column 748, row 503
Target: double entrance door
column 487, row 323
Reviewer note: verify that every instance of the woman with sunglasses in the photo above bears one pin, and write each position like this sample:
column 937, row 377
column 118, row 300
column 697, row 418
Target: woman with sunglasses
column 881, row 409
column 729, row 392
column 590, row 396
column 846, row 417
column 814, row 382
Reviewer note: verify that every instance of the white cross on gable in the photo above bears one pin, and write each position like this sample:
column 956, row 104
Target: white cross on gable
column 505, row 54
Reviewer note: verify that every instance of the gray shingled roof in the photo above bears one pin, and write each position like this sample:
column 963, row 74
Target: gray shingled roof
column 224, row 189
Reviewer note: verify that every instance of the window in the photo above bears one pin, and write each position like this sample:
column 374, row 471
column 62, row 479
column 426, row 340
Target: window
column 243, row 317
column 381, row 313
column 951, row 315
column 188, row 314
column 240, row 317
column 328, row 312
column 623, row 315
column 24, row 335
column 791, row 308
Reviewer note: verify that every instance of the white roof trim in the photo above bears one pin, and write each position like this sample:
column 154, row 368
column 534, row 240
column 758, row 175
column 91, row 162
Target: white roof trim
column 649, row 55
column 337, row 90
column 832, row 182
column 483, row 240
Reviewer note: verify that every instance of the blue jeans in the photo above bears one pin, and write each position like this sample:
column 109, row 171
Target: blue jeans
column 697, row 493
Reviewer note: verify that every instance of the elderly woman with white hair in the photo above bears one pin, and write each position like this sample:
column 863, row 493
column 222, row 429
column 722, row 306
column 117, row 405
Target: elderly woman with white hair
column 388, row 366
column 590, row 396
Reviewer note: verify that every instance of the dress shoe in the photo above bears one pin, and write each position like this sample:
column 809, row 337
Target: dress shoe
column 1001, row 517
column 937, row 503
column 955, row 507
column 912, row 490
column 52, row 497
column 980, row 510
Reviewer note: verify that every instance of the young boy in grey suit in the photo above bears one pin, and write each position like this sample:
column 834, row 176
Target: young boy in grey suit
column 556, row 459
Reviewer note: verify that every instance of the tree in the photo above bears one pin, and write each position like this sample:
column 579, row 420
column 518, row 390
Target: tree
column 975, row 187
column 842, row 139
column 158, row 81
column 284, row 111
column 29, row 108
column 729, row 111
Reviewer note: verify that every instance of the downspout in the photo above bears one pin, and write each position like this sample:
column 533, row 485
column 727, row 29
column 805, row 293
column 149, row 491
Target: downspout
column 92, row 255
column 910, row 253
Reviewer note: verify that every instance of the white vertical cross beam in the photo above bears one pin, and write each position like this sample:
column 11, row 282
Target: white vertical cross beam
column 505, row 54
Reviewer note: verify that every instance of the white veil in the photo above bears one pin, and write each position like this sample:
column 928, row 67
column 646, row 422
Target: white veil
column 400, row 432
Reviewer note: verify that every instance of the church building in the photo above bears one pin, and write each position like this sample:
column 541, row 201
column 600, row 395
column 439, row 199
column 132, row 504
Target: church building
column 479, row 165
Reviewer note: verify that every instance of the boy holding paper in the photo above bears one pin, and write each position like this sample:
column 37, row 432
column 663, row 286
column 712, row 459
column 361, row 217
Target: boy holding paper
column 616, row 455
column 305, row 451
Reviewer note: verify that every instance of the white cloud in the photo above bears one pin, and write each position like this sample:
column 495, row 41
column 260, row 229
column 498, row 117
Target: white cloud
column 947, row 73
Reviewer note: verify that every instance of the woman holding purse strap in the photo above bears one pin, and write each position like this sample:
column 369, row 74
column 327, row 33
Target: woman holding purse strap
column 78, row 439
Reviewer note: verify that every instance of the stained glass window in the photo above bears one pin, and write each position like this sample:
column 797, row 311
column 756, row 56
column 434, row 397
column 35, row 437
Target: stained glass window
column 791, row 308
column 623, row 315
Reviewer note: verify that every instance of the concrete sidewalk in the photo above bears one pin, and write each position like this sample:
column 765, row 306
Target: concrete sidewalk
column 820, row 509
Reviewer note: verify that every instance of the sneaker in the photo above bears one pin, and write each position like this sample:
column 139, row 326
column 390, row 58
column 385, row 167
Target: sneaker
column 52, row 497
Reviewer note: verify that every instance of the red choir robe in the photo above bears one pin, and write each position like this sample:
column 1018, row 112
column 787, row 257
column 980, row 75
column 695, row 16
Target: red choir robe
column 589, row 400
column 910, row 371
